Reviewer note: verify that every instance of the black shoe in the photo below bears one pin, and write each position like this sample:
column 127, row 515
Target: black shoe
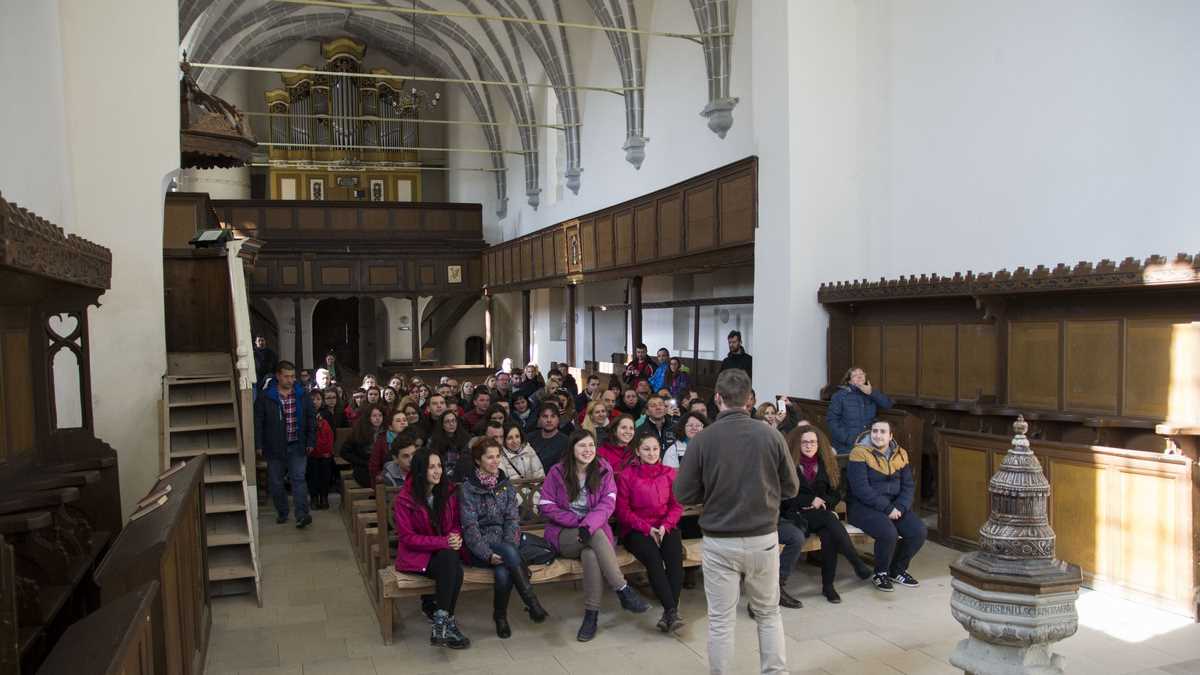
column 503, row 630
column 670, row 621
column 631, row 601
column 587, row 630
column 303, row 522
column 831, row 595
column 787, row 599
column 863, row 571
column 428, row 607
column 904, row 579
column 279, row 520
column 882, row 583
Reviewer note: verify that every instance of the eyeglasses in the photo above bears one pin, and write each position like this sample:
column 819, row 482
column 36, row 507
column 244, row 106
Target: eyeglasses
column 809, row 443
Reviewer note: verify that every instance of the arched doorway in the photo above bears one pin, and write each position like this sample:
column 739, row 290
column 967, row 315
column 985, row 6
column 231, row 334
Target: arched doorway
column 335, row 328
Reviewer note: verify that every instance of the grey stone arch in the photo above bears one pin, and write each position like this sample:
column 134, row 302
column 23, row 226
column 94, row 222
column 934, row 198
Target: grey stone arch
column 555, row 58
column 627, row 48
column 713, row 17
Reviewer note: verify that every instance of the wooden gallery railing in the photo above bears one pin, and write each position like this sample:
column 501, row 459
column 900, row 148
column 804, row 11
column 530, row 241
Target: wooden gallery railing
column 165, row 542
column 117, row 639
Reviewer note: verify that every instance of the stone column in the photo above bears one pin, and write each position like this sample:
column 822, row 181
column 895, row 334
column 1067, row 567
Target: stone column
column 1013, row 597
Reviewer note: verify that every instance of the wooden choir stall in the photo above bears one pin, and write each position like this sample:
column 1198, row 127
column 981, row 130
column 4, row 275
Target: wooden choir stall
column 1103, row 362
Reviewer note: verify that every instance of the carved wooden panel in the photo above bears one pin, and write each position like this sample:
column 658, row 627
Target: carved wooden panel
column 343, row 219
column 426, row 275
column 976, row 360
column 549, row 260
column 1093, row 365
column 701, row 217
column 262, row 275
column 469, row 220
column 623, row 225
column 374, row 219
column 17, row 422
column 289, row 275
column 1147, row 368
column 407, row 220
column 670, row 226
column 605, row 241
column 1076, row 490
column 737, row 209
column 474, row 276
column 438, row 221
column 560, row 250
column 379, row 275
column 868, row 347
column 1154, row 560
column 279, row 219
column 900, row 359
column 536, row 261
column 525, row 262
column 587, row 241
column 509, row 275
column 244, row 219
column 938, row 356
column 1033, row 364
column 310, row 218
column 335, row 275
column 967, row 487
column 646, row 227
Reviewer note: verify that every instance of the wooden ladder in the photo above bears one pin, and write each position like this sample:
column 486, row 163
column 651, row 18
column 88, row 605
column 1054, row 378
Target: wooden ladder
column 201, row 417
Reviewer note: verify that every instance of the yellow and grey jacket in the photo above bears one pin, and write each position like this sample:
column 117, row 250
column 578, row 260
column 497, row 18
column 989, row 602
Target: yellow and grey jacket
column 879, row 480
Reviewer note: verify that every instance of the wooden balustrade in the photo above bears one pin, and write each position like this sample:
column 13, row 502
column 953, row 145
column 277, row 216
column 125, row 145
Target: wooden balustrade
column 117, row 639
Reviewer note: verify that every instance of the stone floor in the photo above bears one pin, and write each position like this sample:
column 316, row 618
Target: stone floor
column 316, row 620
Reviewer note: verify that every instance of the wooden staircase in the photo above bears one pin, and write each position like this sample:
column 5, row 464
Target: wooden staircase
column 201, row 417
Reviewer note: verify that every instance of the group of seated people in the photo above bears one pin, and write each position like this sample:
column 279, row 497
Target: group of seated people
column 606, row 459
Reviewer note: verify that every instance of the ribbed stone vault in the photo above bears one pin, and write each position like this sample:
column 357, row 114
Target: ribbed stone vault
column 255, row 32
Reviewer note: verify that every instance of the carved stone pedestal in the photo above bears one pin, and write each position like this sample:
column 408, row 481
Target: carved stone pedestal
column 1011, row 595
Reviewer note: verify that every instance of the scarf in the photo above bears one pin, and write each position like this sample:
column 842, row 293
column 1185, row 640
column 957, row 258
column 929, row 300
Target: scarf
column 487, row 480
column 808, row 466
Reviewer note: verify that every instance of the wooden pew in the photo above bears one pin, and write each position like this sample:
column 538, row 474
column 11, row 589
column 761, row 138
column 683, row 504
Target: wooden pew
column 119, row 638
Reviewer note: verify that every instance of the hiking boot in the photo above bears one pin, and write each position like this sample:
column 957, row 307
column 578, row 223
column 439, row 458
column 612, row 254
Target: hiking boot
column 670, row 621
column 882, row 583
column 445, row 632
column 587, row 630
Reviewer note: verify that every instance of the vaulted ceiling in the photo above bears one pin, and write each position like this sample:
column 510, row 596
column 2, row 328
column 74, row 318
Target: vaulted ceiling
column 255, row 32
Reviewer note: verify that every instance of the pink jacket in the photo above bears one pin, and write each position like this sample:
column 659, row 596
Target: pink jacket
column 417, row 541
column 618, row 457
column 555, row 505
column 645, row 499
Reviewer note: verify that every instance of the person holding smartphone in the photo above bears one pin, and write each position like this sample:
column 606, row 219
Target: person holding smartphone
column 853, row 408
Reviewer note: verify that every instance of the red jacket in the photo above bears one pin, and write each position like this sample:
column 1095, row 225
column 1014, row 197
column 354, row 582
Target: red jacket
column 379, row 456
column 351, row 414
column 324, row 446
column 617, row 456
column 645, row 499
column 416, row 540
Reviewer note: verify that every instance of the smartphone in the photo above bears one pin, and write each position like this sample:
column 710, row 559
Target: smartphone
column 671, row 403
column 780, row 404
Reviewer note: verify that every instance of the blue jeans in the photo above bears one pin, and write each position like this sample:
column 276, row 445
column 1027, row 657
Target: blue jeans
column 505, row 572
column 294, row 465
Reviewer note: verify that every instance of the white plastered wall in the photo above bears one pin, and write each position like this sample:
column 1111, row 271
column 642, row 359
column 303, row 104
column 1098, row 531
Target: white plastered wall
column 93, row 153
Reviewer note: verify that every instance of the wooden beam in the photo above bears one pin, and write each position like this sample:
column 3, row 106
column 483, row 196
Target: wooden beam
column 299, row 345
column 525, row 342
column 571, row 325
column 416, row 329
column 696, row 340
column 489, row 358
column 635, row 311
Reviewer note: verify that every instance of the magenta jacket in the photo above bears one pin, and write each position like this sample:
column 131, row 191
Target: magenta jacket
column 555, row 505
column 618, row 457
column 645, row 499
column 416, row 540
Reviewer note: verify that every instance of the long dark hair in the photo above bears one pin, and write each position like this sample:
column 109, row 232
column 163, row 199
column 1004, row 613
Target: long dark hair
column 363, row 433
column 418, row 480
column 441, row 440
column 570, row 467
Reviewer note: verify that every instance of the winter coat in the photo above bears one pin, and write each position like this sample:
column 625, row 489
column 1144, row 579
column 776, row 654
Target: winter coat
column 270, row 429
column 416, row 540
column 656, row 380
column 488, row 516
column 392, row 476
column 740, row 360
column 522, row 465
column 820, row 486
column 877, row 481
column 665, row 434
column 680, row 385
column 673, row 455
column 636, row 371
column 323, row 449
column 379, row 454
column 851, row 411
column 359, row 456
column 526, row 422
column 618, row 457
column 555, row 506
column 645, row 500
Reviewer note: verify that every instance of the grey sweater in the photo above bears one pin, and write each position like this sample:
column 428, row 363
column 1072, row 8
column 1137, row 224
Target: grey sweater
column 739, row 469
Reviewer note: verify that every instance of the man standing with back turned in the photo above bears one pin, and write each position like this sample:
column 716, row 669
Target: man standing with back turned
column 740, row 469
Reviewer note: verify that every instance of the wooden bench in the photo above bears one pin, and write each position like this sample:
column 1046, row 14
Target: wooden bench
column 385, row 584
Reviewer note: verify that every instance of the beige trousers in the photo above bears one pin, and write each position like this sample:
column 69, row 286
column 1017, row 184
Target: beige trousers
column 752, row 563
column 599, row 564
